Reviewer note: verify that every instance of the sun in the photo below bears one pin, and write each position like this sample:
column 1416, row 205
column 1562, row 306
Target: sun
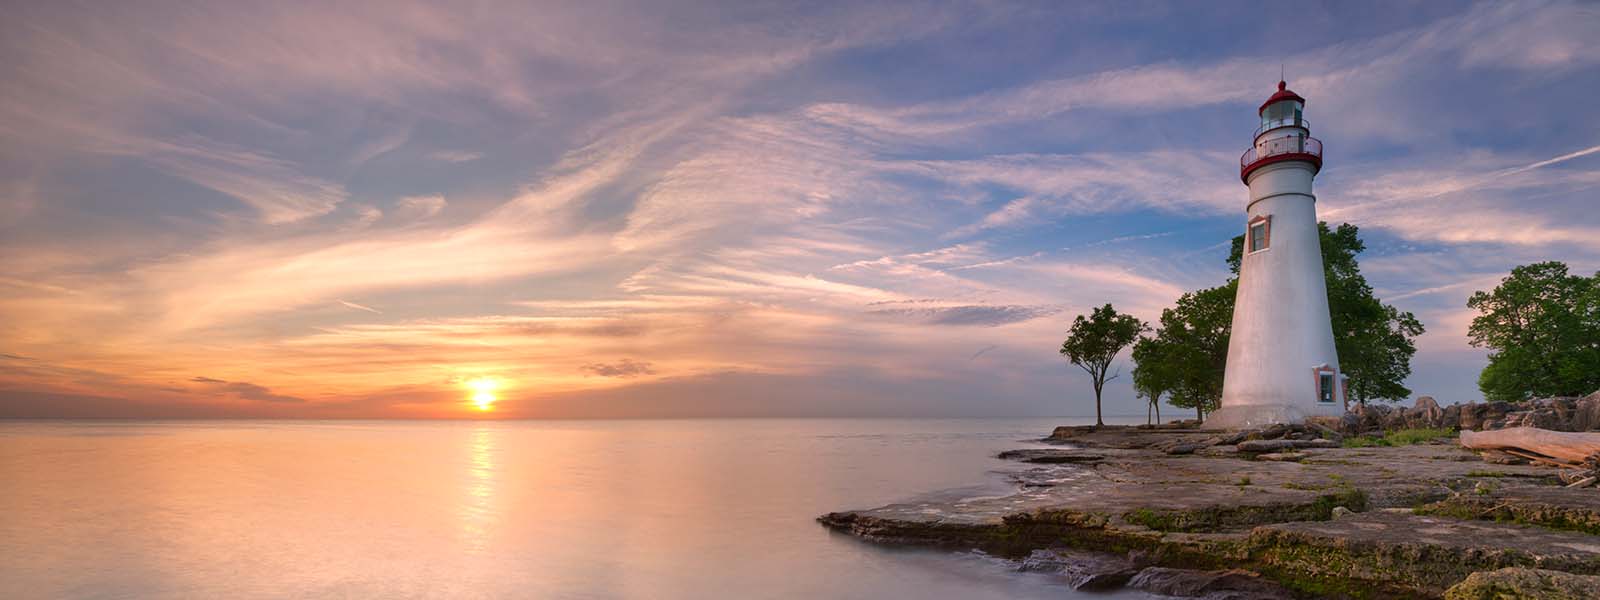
column 483, row 392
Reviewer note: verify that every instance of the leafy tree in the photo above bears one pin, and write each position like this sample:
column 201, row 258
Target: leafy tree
column 1150, row 381
column 1543, row 329
column 1373, row 339
column 1094, row 342
column 1190, row 349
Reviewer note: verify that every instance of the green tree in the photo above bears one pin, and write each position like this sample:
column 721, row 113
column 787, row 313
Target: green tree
column 1093, row 343
column 1189, row 351
column 1542, row 327
column 1373, row 339
column 1151, row 380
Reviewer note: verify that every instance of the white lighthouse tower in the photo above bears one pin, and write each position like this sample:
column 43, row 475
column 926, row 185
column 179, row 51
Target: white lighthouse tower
column 1282, row 366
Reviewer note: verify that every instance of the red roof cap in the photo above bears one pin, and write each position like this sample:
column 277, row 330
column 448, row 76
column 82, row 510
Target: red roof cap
column 1282, row 94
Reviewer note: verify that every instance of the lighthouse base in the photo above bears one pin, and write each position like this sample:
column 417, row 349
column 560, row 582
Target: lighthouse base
column 1253, row 415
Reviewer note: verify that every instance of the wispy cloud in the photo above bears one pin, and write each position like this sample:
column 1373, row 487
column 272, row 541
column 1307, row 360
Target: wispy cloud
column 362, row 307
column 622, row 368
column 581, row 200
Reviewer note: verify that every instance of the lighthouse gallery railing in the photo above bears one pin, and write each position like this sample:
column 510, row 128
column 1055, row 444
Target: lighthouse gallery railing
column 1281, row 145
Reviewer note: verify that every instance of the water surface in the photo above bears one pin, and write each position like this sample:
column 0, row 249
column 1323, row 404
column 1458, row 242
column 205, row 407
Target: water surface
column 528, row 509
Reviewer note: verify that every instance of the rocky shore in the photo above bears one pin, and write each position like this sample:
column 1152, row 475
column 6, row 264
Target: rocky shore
column 1292, row 512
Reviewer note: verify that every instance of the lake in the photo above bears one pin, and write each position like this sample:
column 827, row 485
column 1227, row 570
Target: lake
column 463, row 509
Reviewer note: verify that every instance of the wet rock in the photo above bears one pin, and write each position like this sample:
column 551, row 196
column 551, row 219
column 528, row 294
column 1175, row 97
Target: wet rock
column 1515, row 583
column 1042, row 561
column 1051, row 456
column 1071, row 431
column 1270, row 517
column 1211, row 585
column 1083, row 570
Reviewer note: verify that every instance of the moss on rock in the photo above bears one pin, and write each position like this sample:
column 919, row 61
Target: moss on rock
column 1525, row 584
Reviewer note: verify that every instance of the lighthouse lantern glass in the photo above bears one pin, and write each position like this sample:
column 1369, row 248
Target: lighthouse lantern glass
column 1282, row 112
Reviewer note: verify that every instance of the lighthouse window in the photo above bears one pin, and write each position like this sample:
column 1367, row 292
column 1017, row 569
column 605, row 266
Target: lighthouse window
column 1325, row 382
column 1260, row 233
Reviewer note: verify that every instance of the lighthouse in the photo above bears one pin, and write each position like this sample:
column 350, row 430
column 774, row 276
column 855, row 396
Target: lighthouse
column 1282, row 366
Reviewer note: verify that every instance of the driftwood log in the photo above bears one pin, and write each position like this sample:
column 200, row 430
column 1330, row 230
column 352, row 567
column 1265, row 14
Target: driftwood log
column 1561, row 445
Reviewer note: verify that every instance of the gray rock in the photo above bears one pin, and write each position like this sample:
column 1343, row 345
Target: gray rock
column 1451, row 417
column 1083, row 570
column 1186, row 448
column 1265, row 446
column 1282, row 456
column 1212, row 585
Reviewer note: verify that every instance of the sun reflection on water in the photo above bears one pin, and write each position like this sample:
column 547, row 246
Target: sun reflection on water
column 478, row 511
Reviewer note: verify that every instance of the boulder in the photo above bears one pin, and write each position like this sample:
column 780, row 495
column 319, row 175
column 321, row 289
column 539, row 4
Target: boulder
column 1425, row 414
column 1212, row 585
column 1450, row 417
column 1516, row 583
column 1586, row 413
column 1481, row 416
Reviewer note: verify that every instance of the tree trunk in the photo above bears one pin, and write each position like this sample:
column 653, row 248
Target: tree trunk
column 1097, row 420
column 1200, row 411
column 1147, row 420
column 1570, row 447
column 1157, row 403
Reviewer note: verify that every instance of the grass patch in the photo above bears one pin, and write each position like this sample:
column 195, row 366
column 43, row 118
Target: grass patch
column 1403, row 437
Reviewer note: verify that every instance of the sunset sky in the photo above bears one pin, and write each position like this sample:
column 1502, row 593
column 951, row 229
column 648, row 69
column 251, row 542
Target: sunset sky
column 604, row 209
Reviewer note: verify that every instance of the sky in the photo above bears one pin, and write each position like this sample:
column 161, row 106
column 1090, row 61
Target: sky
column 685, row 209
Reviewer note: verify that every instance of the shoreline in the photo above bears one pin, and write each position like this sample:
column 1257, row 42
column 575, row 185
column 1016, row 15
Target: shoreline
column 1169, row 510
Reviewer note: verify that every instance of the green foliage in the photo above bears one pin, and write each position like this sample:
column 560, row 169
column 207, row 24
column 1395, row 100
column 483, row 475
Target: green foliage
column 1543, row 329
column 1189, row 351
column 1157, row 379
column 1362, row 442
column 1403, row 437
column 1094, row 342
column 1373, row 339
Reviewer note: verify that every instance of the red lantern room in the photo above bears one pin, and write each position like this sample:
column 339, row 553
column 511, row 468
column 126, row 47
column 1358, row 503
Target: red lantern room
column 1284, row 135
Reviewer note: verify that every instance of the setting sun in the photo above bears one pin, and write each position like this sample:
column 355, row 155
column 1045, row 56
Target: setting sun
column 483, row 392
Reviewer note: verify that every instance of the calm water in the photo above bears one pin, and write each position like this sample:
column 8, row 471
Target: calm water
column 562, row 509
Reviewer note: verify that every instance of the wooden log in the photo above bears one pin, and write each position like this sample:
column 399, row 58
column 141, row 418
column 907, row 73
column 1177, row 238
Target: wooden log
column 1562, row 445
